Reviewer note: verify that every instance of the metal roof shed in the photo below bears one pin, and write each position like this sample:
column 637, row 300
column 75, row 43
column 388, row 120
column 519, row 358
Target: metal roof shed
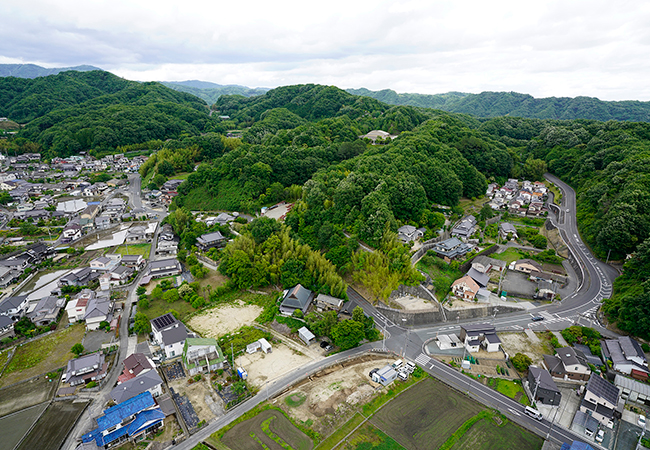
column 306, row 335
column 266, row 346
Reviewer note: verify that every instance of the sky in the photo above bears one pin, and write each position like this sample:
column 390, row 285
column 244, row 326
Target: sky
column 544, row 48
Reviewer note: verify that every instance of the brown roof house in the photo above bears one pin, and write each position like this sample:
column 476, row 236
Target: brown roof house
column 566, row 365
column 465, row 288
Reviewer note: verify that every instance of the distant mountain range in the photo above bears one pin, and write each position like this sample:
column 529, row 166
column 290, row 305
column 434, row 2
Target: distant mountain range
column 210, row 92
column 34, row 71
column 496, row 104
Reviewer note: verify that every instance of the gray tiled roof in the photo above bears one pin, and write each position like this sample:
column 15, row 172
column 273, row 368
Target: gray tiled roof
column 135, row 386
column 603, row 389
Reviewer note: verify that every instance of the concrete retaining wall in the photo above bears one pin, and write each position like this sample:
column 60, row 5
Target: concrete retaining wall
column 413, row 318
column 478, row 312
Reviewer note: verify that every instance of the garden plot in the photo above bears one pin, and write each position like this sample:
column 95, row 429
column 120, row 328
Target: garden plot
column 270, row 430
column 26, row 394
column 224, row 319
column 13, row 427
column 263, row 367
column 486, row 434
column 53, row 426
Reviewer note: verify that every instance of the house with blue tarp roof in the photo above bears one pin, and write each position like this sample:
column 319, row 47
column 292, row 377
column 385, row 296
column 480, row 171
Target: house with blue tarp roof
column 126, row 421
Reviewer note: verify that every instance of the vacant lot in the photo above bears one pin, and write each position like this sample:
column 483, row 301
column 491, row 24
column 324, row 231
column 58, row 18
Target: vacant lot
column 134, row 249
column 26, row 394
column 423, row 417
column 263, row 367
column 270, row 429
column 486, row 435
column 42, row 355
column 53, row 426
column 201, row 396
column 14, row 427
column 510, row 255
column 224, row 319
column 514, row 343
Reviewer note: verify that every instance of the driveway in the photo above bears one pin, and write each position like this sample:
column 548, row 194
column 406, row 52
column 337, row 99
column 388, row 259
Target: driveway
column 516, row 284
column 93, row 340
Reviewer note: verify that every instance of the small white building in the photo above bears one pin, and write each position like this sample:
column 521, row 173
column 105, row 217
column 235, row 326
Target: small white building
column 384, row 376
column 306, row 335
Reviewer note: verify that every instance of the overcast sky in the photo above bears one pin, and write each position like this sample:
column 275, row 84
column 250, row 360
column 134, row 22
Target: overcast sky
column 543, row 48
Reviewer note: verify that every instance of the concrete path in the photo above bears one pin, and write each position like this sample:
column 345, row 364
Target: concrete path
column 560, row 339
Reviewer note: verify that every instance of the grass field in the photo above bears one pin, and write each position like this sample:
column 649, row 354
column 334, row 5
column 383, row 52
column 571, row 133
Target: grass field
column 368, row 437
column 229, row 198
column 472, row 206
column 269, row 429
column 440, row 272
column 14, row 427
column 418, row 422
column 508, row 256
column 53, row 426
column 160, row 307
column 180, row 176
column 510, row 389
column 26, row 394
column 134, row 249
column 486, row 435
column 42, row 355
column 3, row 358
column 339, row 434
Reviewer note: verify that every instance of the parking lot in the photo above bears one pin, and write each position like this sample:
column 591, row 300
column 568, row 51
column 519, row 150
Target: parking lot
column 93, row 340
column 518, row 285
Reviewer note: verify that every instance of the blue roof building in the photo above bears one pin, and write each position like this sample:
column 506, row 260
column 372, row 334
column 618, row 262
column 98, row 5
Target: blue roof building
column 126, row 421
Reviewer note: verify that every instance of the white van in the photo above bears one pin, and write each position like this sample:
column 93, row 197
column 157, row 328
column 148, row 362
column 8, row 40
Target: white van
column 532, row 412
column 397, row 364
column 410, row 366
column 403, row 376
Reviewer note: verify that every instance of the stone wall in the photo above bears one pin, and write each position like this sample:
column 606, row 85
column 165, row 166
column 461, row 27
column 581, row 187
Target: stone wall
column 413, row 318
column 479, row 311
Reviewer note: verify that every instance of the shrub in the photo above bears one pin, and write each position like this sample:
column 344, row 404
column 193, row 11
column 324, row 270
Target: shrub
column 521, row 362
column 77, row 349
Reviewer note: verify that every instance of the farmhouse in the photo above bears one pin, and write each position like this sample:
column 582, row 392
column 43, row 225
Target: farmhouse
column 211, row 240
column 296, row 298
column 85, row 369
column 465, row 228
column 126, row 421
column 451, row 248
column 408, row 233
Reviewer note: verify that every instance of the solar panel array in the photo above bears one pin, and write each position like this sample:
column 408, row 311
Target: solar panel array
column 164, row 321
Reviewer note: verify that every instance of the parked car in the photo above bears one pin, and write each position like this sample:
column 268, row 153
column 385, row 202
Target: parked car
column 600, row 436
column 403, row 375
column 642, row 421
column 323, row 344
column 410, row 366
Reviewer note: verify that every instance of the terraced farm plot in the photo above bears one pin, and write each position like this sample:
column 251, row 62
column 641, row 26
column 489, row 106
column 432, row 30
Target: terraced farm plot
column 26, row 394
column 270, row 430
column 368, row 437
column 424, row 416
column 53, row 426
column 486, row 435
column 14, row 426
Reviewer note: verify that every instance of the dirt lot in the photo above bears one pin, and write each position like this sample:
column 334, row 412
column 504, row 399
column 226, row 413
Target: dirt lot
column 53, row 426
column 417, row 422
column 224, row 319
column 269, row 428
column 487, row 365
column 409, row 303
column 331, row 394
column 14, row 427
column 196, row 393
column 26, row 394
column 514, row 343
column 270, row 366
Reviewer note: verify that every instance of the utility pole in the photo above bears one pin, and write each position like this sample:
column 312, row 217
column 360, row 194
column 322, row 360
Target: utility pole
column 610, row 251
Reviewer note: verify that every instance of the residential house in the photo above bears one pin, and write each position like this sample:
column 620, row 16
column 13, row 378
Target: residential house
column 9, row 276
column 38, row 252
column 135, row 262
column 147, row 382
column 6, row 327
column 478, row 335
column 451, row 248
column 526, row 266
column 78, row 277
column 171, row 185
column 465, row 288
column 18, row 262
column 135, row 365
column 87, row 216
column 102, row 222
column 566, row 365
column 98, row 310
column 485, row 264
column 103, row 264
column 545, row 289
column 170, row 334
column 46, row 310
column 126, row 421
column 535, row 209
column 135, row 235
column 202, row 355
column 600, row 400
column 465, row 228
column 481, row 278
column 71, row 231
column 507, row 231
column 210, row 240
column 627, row 356
column 76, row 307
column 85, row 369
column 408, row 233
column 296, row 298
column 167, row 247
column 327, row 303
column 166, row 232
column 164, row 268
column 543, row 387
column 14, row 307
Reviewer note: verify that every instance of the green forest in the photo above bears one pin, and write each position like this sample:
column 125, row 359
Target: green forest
column 302, row 144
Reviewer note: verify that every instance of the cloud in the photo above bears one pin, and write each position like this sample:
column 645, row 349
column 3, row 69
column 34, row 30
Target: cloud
column 549, row 48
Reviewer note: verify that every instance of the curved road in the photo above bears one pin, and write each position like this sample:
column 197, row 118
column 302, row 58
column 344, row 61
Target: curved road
column 596, row 284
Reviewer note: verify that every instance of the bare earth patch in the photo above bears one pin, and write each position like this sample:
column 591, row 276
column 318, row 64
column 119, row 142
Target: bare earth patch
column 514, row 343
column 224, row 319
column 196, row 393
column 410, row 303
column 270, row 366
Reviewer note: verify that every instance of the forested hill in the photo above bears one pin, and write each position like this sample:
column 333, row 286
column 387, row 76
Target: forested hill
column 33, row 71
column 76, row 111
column 210, row 92
column 496, row 104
